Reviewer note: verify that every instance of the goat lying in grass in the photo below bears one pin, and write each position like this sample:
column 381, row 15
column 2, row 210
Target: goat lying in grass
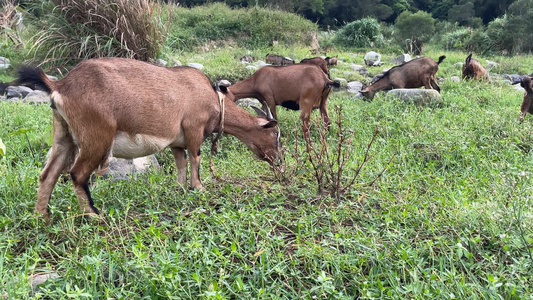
column 472, row 69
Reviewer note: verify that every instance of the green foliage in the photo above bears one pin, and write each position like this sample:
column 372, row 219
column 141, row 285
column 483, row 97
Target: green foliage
column 72, row 31
column 216, row 25
column 414, row 29
column 360, row 33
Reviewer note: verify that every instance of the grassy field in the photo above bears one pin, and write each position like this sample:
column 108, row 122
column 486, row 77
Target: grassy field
column 450, row 218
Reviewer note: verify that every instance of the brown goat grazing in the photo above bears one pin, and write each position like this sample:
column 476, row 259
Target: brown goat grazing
column 331, row 61
column 412, row 74
column 278, row 60
column 317, row 61
column 127, row 108
column 472, row 69
column 526, row 107
column 297, row 87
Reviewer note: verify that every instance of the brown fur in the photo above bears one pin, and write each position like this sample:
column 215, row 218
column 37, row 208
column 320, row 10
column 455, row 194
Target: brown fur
column 472, row 69
column 104, row 104
column 528, row 97
column 299, row 86
column 278, row 60
column 413, row 74
column 317, row 61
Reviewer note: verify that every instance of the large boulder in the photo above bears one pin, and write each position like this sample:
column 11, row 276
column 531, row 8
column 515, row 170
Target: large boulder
column 354, row 87
column 416, row 96
column 403, row 58
column 121, row 169
column 18, row 91
column 372, row 59
column 37, row 97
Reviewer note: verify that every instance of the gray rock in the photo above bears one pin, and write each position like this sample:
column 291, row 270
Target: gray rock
column 247, row 59
column 4, row 63
column 343, row 82
column 517, row 87
column 354, row 87
column 196, row 66
column 261, row 63
column 224, row 82
column 39, row 279
column 372, row 59
column 455, row 79
column 17, row 91
column 458, row 64
column 248, row 102
column 161, row 62
column 356, row 67
column 513, row 77
column 417, row 96
column 121, row 169
column 176, row 62
column 252, row 67
column 491, row 64
column 403, row 58
column 52, row 77
column 364, row 72
column 37, row 97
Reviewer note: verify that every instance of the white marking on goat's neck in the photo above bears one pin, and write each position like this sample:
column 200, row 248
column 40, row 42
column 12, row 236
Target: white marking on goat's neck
column 138, row 145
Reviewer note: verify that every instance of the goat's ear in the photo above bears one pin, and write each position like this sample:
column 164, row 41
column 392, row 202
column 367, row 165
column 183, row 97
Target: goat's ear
column 268, row 123
column 468, row 58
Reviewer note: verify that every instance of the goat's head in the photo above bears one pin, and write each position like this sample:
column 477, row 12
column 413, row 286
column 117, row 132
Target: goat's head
column 266, row 145
column 368, row 93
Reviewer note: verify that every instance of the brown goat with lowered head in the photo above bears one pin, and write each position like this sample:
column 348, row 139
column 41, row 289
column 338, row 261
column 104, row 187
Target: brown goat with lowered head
column 317, row 61
column 297, row 87
column 472, row 69
column 412, row 74
column 127, row 108
column 331, row 61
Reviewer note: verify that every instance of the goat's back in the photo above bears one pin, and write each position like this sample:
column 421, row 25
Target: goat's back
column 413, row 73
column 140, row 97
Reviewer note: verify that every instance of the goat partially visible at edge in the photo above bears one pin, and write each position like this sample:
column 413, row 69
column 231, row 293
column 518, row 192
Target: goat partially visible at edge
column 127, row 109
column 472, row 69
column 526, row 106
column 412, row 74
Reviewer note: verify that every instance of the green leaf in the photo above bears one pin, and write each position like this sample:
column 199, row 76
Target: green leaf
column 2, row 149
column 20, row 131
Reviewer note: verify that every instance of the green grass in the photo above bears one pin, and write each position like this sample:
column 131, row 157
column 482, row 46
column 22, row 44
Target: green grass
column 449, row 219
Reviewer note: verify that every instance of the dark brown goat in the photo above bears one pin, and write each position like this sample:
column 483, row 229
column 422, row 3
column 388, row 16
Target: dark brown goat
column 331, row 61
column 317, row 61
column 297, row 87
column 472, row 69
column 278, row 60
column 526, row 107
column 412, row 74
column 127, row 108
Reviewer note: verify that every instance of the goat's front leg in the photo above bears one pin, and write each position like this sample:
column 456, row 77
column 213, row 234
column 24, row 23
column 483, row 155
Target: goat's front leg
column 526, row 105
column 180, row 158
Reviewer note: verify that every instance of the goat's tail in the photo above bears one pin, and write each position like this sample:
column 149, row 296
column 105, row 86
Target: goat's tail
column 35, row 76
column 441, row 59
column 332, row 84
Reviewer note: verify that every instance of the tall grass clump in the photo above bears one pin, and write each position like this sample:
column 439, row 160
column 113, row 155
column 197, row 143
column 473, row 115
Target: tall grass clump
column 217, row 24
column 76, row 30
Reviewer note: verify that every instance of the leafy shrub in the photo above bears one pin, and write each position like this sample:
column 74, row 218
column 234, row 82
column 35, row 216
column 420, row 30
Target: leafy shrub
column 76, row 30
column 248, row 27
column 414, row 29
column 361, row 33
column 456, row 39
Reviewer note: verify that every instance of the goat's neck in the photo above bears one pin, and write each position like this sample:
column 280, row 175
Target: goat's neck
column 244, row 89
column 239, row 122
column 382, row 84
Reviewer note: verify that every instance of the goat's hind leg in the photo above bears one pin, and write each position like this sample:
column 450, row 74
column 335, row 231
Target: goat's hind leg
column 90, row 157
column 61, row 156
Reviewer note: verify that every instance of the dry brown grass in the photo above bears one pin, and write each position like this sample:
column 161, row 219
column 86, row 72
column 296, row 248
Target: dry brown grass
column 77, row 30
